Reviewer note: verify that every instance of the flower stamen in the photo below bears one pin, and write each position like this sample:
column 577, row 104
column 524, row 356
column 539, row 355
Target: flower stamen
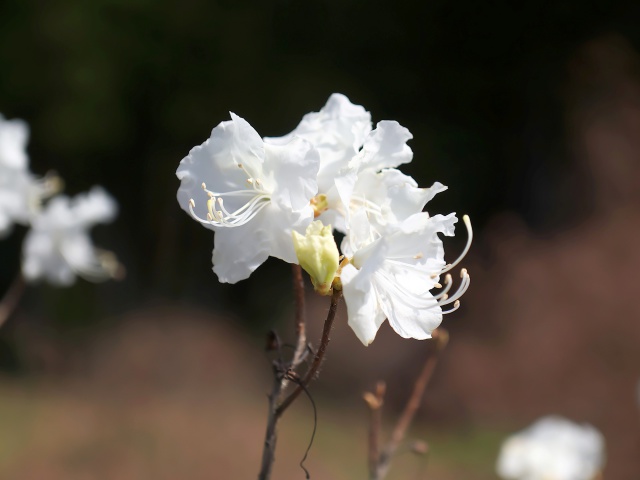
column 219, row 216
column 462, row 288
column 467, row 223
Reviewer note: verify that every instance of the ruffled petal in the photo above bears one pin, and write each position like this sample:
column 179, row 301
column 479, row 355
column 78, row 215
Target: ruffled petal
column 385, row 147
column 337, row 131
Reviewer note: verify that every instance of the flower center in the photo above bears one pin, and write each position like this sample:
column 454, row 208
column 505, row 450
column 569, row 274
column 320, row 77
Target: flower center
column 255, row 198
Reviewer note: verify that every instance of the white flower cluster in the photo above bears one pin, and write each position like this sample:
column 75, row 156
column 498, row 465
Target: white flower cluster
column 553, row 448
column 57, row 247
column 255, row 193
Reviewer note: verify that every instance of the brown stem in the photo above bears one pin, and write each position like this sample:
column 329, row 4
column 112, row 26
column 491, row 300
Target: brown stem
column 317, row 361
column 441, row 338
column 374, row 402
column 282, row 371
column 271, row 435
column 11, row 298
column 301, row 329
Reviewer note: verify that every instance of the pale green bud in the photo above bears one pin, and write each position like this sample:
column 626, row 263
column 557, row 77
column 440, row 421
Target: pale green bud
column 318, row 254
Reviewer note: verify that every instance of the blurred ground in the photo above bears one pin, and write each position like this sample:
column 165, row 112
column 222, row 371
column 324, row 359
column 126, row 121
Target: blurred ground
column 173, row 394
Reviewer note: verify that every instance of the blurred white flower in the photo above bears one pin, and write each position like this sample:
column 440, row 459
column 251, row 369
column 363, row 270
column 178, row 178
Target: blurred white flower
column 256, row 195
column 21, row 193
column 553, row 448
column 392, row 276
column 58, row 247
column 14, row 135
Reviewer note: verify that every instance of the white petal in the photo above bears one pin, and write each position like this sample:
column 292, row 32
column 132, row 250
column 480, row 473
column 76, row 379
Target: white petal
column 365, row 317
column 294, row 167
column 239, row 251
column 215, row 163
column 95, row 206
column 409, row 315
column 279, row 225
column 337, row 131
column 385, row 147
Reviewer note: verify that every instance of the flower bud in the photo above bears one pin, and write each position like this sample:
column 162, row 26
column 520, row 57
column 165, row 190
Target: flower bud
column 318, row 254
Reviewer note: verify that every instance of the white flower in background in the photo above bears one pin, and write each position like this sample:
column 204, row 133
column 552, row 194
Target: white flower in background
column 251, row 193
column 14, row 135
column 58, row 247
column 21, row 193
column 553, row 448
column 391, row 277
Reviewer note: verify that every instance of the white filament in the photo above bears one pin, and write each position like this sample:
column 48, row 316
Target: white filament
column 219, row 216
column 467, row 223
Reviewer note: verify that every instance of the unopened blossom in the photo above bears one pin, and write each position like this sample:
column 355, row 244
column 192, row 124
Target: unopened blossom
column 553, row 448
column 251, row 193
column 21, row 193
column 393, row 275
column 58, row 247
column 318, row 255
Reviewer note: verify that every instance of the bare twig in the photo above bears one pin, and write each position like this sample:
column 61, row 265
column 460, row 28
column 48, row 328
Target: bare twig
column 301, row 335
column 285, row 371
column 317, row 361
column 381, row 469
column 11, row 298
column 375, row 401
column 271, row 435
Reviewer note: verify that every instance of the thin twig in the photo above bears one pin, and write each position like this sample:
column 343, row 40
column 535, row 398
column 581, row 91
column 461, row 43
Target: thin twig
column 375, row 401
column 441, row 338
column 317, row 361
column 283, row 371
column 11, row 298
column 301, row 329
column 271, row 435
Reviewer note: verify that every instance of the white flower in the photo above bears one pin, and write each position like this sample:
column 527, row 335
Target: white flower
column 21, row 193
column 257, row 194
column 553, row 448
column 58, row 247
column 391, row 276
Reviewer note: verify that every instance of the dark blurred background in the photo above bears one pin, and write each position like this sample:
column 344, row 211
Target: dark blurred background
column 528, row 111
